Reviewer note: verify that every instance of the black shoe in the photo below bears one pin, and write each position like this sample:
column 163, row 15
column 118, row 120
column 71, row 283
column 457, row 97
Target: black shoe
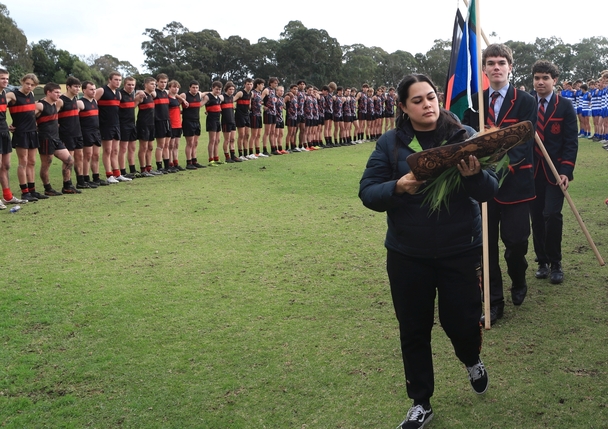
column 71, row 190
column 29, row 198
column 179, row 168
column 191, row 167
column 83, row 185
column 543, row 271
column 557, row 274
column 519, row 294
column 230, row 161
column 417, row 417
column 52, row 193
column 478, row 376
column 236, row 159
column 92, row 185
column 129, row 176
column 197, row 165
column 101, row 182
column 496, row 312
column 39, row 196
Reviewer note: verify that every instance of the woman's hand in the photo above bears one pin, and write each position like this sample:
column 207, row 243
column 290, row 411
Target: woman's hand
column 469, row 168
column 408, row 183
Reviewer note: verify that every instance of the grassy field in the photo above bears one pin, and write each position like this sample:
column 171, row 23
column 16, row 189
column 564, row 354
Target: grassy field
column 254, row 295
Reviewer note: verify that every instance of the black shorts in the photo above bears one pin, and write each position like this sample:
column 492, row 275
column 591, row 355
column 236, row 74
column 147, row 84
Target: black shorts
column 310, row 123
column 146, row 132
column 349, row 119
column 5, row 143
column 72, row 143
column 176, row 133
column 241, row 121
column 128, row 134
column 338, row 119
column 362, row 116
column 280, row 125
column 110, row 133
column 255, row 121
column 191, row 128
column 162, row 129
column 369, row 117
column 329, row 116
column 292, row 122
column 91, row 138
column 213, row 124
column 226, row 128
column 269, row 119
column 301, row 119
column 48, row 145
column 28, row 140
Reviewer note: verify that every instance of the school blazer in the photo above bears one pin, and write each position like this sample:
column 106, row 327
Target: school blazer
column 518, row 106
column 561, row 140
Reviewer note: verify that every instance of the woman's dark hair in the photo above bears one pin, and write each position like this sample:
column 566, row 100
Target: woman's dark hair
column 446, row 123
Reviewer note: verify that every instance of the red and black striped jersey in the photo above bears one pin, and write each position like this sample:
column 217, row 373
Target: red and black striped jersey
column 23, row 112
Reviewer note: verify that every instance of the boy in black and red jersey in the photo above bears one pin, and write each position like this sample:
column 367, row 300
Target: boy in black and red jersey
column 175, row 119
column 241, row 117
column 161, row 121
column 191, row 124
column 146, row 128
column 129, row 99
column 91, row 137
column 108, row 101
column 22, row 106
column 68, row 108
column 228, row 123
column 6, row 147
column 50, row 144
column 213, row 106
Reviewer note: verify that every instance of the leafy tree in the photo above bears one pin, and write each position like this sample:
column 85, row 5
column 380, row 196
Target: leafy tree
column 107, row 64
column 358, row 66
column 524, row 56
column 397, row 65
column 436, row 61
column 556, row 51
column 591, row 57
column 15, row 53
column 165, row 47
column 263, row 60
column 308, row 54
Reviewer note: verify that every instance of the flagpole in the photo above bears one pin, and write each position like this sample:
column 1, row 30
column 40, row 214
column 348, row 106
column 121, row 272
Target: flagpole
column 484, row 206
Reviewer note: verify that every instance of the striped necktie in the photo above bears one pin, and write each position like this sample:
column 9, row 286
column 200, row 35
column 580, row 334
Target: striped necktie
column 540, row 124
column 491, row 119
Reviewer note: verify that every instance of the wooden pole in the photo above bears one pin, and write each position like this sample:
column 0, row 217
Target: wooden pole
column 484, row 206
column 540, row 144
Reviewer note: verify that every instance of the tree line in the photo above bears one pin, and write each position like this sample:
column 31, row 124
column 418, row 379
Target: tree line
column 299, row 53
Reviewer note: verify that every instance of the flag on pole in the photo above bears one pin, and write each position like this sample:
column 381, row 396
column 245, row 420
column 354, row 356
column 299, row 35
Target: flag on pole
column 463, row 71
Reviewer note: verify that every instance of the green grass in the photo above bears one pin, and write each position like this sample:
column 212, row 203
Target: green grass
column 254, row 295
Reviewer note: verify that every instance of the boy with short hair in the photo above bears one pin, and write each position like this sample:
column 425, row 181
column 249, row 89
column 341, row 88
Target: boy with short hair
column 91, row 136
column 146, row 128
column 509, row 211
column 213, row 106
column 243, row 100
column 108, row 102
column 50, row 144
column 6, row 147
column 557, row 129
column 22, row 106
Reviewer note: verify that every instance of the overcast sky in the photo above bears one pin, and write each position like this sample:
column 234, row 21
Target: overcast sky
column 116, row 28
